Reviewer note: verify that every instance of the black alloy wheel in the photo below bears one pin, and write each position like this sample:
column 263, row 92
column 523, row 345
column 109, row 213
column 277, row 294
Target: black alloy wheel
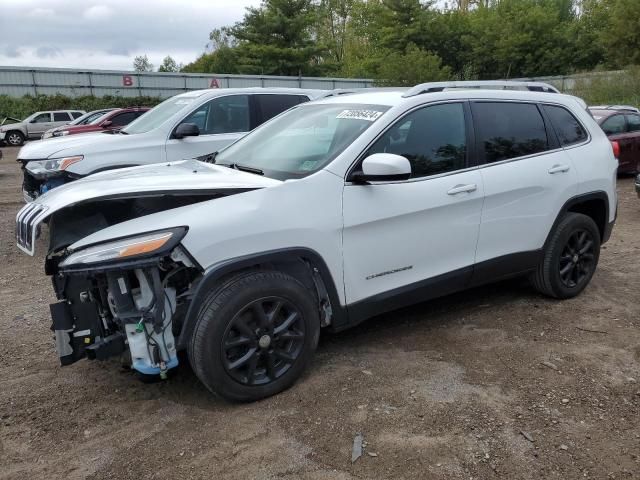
column 263, row 341
column 576, row 261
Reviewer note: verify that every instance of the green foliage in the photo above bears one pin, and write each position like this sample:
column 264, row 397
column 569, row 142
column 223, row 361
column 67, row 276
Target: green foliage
column 22, row 107
column 619, row 89
column 410, row 68
column 482, row 39
column 169, row 65
column 142, row 64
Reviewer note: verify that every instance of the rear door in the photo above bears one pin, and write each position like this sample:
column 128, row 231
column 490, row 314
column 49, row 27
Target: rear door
column 221, row 121
column 527, row 178
column 615, row 127
column 39, row 124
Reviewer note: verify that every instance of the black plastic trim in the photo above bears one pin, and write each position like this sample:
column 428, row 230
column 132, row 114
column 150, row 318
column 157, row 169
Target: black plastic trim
column 211, row 278
column 506, row 266
column 578, row 199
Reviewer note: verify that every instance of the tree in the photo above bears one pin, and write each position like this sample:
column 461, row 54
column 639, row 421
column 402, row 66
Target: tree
column 142, row 64
column 413, row 67
column 275, row 39
column 169, row 65
column 621, row 38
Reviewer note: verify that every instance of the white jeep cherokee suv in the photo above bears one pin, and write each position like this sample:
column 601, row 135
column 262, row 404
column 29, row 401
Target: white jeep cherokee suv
column 188, row 125
column 335, row 211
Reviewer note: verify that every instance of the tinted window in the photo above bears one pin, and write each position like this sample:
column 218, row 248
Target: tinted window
column 566, row 126
column 42, row 118
column 271, row 105
column 76, row 114
column 433, row 139
column 614, row 124
column 60, row 117
column 123, row 119
column 508, row 130
column 633, row 123
column 222, row 115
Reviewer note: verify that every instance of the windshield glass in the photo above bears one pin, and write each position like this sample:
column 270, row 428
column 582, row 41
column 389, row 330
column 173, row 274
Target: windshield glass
column 89, row 118
column 158, row 115
column 302, row 140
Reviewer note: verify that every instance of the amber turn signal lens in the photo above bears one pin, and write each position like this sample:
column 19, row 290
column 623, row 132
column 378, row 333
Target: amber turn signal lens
column 144, row 247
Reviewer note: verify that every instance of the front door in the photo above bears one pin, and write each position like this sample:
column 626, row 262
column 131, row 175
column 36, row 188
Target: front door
column 402, row 236
column 221, row 122
column 40, row 124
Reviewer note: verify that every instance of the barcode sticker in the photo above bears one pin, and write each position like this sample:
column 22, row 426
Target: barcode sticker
column 368, row 115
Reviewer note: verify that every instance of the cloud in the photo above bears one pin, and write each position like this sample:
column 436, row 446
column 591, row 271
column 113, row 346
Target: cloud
column 12, row 51
column 48, row 52
column 84, row 37
column 98, row 12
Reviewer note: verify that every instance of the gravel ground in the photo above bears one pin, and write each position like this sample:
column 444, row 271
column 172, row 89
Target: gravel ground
column 497, row 382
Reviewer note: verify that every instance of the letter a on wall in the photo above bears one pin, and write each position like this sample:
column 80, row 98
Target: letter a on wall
column 127, row 81
column 214, row 83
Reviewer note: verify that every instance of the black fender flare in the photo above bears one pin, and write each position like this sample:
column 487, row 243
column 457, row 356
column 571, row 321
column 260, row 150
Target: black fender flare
column 212, row 277
column 581, row 198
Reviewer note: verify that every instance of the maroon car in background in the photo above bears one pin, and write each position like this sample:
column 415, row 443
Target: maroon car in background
column 111, row 121
column 622, row 125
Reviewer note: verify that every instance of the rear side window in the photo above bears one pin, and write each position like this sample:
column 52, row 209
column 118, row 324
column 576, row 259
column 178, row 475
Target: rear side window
column 271, row 105
column 123, row 119
column 508, row 130
column 633, row 123
column 614, row 125
column 432, row 138
column 567, row 127
column 60, row 117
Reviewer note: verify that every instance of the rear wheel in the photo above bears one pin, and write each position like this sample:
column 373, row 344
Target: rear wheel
column 570, row 258
column 255, row 335
column 14, row 138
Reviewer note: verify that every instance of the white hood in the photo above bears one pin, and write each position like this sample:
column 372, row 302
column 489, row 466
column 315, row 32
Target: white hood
column 185, row 176
column 74, row 145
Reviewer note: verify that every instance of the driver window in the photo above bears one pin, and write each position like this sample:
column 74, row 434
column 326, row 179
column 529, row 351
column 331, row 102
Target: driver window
column 228, row 114
column 42, row 118
column 432, row 138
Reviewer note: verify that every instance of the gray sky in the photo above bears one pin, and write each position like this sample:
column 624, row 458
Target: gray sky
column 108, row 34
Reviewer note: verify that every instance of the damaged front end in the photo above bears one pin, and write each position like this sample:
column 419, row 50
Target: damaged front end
column 127, row 296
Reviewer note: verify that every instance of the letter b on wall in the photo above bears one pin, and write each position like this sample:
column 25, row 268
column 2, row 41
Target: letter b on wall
column 127, row 81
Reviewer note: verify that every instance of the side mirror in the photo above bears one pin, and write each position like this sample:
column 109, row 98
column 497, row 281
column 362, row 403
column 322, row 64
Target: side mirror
column 383, row 167
column 106, row 124
column 186, row 130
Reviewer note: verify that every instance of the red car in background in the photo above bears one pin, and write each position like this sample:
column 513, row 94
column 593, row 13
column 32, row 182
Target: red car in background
column 622, row 125
column 111, row 121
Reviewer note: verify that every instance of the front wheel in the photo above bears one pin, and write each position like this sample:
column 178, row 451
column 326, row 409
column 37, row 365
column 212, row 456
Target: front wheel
column 570, row 257
column 255, row 335
column 14, row 138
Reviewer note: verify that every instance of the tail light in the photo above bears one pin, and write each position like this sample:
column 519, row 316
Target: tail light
column 616, row 149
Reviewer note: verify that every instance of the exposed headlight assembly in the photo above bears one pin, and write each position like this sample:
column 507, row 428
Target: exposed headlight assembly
column 130, row 248
column 51, row 166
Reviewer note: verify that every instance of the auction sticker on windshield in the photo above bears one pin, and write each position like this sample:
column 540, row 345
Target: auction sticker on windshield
column 369, row 115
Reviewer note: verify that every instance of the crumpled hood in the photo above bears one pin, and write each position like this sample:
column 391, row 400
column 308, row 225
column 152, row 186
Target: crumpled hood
column 182, row 177
column 73, row 145
column 10, row 126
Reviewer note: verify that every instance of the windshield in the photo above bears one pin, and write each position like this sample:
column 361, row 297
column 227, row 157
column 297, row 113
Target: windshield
column 302, row 140
column 89, row 118
column 158, row 115
column 97, row 119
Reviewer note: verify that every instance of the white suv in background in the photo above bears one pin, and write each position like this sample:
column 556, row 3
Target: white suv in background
column 32, row 127
column 333, row 212
column 188, row 125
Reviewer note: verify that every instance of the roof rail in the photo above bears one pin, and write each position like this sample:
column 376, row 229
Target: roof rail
column 433, row 87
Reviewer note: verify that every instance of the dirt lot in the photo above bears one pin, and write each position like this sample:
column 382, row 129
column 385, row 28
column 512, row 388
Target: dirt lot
column 497, row 382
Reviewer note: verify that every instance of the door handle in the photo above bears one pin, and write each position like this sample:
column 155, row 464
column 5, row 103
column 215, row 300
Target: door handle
column 559, row 169
column 462, row 188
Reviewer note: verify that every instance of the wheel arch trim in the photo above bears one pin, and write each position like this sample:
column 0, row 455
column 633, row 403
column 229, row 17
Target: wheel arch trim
column 576, row 200
column 214, row 274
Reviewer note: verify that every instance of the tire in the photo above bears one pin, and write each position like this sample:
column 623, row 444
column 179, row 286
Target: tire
column 14, row 138
column 570, row 257
column 255, row 334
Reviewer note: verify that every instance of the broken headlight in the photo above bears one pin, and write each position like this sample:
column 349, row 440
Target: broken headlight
column 129, row 248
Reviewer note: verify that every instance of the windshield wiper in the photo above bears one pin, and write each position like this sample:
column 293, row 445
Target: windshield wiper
column 243, row 168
